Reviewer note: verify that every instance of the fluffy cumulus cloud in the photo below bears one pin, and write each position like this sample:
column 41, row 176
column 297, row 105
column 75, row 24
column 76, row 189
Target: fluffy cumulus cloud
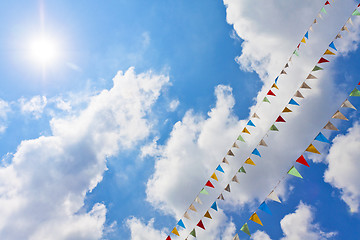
column 298, row 225
column 4, row 110
column 34, row 106
column 343, row 165
column 42, row 190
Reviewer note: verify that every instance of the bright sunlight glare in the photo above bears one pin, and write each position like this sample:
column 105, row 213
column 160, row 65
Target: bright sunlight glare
column 44, row 50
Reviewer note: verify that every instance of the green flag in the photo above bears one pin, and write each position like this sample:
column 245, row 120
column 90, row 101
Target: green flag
column 203, row 191
column 193, row 233
column 317, row 68
column 245, row 229
column 242, row 169
column 296, row 53
column 240, row 138
column 294, row 172
column 323, row 10
column 356, row 13
column 355, row 93
column 266, row 100
column 274, row 128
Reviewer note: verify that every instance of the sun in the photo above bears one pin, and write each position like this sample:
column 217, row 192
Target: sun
column 44, row 50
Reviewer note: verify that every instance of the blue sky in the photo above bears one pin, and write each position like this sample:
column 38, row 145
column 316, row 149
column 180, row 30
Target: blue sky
column 115, row 137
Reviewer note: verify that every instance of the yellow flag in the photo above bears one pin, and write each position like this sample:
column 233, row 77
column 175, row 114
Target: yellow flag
column 245, row 131
column 275, row 86
column 175, row 231
column 207, row 214
column 312, row 149
column 303, row 40
column 249, row 161
column 286, row 110
column 255, row 218
column 214, row 177
column 328, row 52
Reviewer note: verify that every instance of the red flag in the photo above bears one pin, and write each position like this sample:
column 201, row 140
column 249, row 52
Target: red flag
column 209, row 184
column 271, row 93
column 298, row 46
column 280, row 119
column 327, row 3
column 168, row 238
column 322, row 60
column 302, row 160
column 201, row 225
column 359, row 83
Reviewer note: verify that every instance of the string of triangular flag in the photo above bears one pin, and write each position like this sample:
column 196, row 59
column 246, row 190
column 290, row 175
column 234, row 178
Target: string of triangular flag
column 255, row 151
column 320, row 137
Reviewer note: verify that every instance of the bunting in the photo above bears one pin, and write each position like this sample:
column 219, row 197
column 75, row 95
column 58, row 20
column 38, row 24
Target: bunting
column 317, row 68
column 201, row 225
column 245, row 229
column 263, row 207
column 280, row 119
column 250, row 123
column 286, row 109
column 207, row 215
column 227, row 188
column 255, row 218
column 209, row 184
column 293, row 102
column 305, row 86
column 321, row 138
column 256, row 152
column 312, row 149
column 339, row 115
column 250, row 162
column 302, row 161
column 347, row 104
column 213, row 176
column 293, row 171
column 175, row 231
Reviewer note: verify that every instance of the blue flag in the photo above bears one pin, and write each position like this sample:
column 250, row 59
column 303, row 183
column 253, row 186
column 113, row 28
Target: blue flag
column 332, row 45
column 250, row 123
column 256, row 152
column 321, row 138
column 265, row 208
column 307, row 35
column 292, row 102
column 214, row 206
column 219, row 168
column 181, row 224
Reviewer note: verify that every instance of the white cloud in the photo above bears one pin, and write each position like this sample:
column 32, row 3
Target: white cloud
column 4, row 110
column 34, row 106
column 300, row 225
column 343, row 164
column 42, row 190
column 260, row 235
column 173, row 105
column 140, row 231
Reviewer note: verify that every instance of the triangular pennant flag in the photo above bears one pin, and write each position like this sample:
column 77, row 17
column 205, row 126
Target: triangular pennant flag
column 305, row 86
column 203, row 191
column 298, row 94
column 274, row 197
column 236, row 237
column 293, row 102
column 296, row 53
column 320, row 16
column 330, row 126
column 207, row 214
column 356, row 13
column 312, row 149
column 192, row 208
column 328, row 52
column 327, row 3
column 227, row 188
column 307, row 35
column 266, row 100
column 310, row 76
column 245, row 130
column 175, row 231
column 209, row 184
column 277, row 78
column 317, row 68
column 235, row 145
column 197, row 199
column 323, row 10
column 274, row 128
column 286, row 65
column 221, row 197
column 271, row 93
column 249, row 161
column 168, row 238
column 311, row 28
column 315, row 21
column 219, row 168
column 280, row 119
column 245, row 229
column 302, row 160
column 256, row 152
column 339, row 115
column 200, row 225
column 255, row 115
column 323, row 60
column 283, row 72
column 235, row 179
column 213, row 176
column 355, row 93
column 240, row 138
column 230, row 153
column 303, row 40
column 193, row 233
column 225, row 161
column 214, row 206
column 338, row 36
column 263, row 143
column 294, row 172
column 275, row 86
column 181, row 224
column 242, row 169
column 344, row 28
column 265, row 208
column 255, row 218
column 347, row 104
column 350, row 21
column 332, row 45
column 250, row 123
column 321, row 138
column 286, row 109
column 186, row 215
